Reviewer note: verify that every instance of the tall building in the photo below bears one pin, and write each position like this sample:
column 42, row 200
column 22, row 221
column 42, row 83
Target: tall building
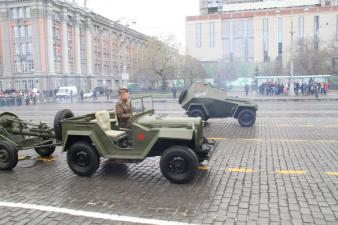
column 260, row 32
column 46, row 44
column 214, row 6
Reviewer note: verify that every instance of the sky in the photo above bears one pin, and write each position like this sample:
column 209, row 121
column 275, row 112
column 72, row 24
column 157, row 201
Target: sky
column 159, row 18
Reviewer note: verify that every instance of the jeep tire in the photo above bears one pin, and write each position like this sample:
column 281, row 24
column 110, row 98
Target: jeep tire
column 8, row 155
column 198, row 113
column 179, row 164
column 83, row 158
column 246, row 117
column 61, row 115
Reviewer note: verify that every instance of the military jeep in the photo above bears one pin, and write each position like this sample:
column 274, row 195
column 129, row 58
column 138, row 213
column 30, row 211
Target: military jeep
column 178, row 140
column 205, row 101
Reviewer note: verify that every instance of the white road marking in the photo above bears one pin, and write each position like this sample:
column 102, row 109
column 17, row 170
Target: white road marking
column 112, row 217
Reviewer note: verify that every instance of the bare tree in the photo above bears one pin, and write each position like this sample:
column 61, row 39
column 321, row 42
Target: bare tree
column 160, row 59
column 191, row 69
column 312, row 60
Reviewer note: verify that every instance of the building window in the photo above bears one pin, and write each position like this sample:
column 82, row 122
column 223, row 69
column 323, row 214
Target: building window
column 266, row 40
column 316, row 32
column 29, row 48
column 280, row 36
column 337, row 28
column 16, row 31
column 17, row 85
column 212, row 34
column 301, row 28
column 29, row 31
column 22, row 31
column 28, row 12
column 23, row 49
column 21, row 13
column 198, row 35
column 17, row 49
column 14, row 13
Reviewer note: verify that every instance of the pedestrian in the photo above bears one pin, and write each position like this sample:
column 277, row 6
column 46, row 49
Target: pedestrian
column 326, row 88
column 94, row 95
column 81, row 95
column 246, row 88
column 174, row 90
column 71, row 95
column 107, row 94
column 34, row 98
column 316, row 89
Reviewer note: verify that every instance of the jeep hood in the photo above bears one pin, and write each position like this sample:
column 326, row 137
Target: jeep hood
column 169, row 121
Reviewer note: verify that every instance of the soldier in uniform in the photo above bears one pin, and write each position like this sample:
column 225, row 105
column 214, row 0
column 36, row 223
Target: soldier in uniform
column 124, row 110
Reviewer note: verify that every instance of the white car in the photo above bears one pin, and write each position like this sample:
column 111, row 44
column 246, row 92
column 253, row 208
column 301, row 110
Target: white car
column 88, row 95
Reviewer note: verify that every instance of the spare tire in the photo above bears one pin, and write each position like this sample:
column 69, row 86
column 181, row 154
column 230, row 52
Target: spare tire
column 182, row 96
column 61, row 115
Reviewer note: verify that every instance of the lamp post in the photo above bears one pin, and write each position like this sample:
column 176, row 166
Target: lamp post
column 124, row 76
column 291, row 86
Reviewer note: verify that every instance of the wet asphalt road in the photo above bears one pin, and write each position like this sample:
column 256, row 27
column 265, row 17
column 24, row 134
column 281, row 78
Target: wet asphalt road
column 283, row 170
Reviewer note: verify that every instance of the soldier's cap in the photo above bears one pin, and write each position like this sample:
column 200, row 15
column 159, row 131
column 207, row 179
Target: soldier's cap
column 123, row 90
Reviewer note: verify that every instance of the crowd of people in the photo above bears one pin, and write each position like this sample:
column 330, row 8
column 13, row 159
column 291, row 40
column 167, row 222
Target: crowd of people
column 306, row 88
column 11, row 97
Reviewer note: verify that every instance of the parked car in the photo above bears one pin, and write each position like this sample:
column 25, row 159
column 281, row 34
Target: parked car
column 65, row 92
column 88, row 94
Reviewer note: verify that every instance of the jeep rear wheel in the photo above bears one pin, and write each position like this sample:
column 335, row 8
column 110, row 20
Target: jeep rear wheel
column 179, row 164
column 83, row 159
column 8, row 155
column 246, row 117
column 198, row 113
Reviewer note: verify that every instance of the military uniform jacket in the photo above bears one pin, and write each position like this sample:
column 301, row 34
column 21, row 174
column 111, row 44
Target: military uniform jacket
column 124, row 113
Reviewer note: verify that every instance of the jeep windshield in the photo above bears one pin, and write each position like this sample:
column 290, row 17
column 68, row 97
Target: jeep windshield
column 142, row 104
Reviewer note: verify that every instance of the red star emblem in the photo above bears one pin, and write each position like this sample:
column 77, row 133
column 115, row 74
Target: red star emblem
column 140, row 137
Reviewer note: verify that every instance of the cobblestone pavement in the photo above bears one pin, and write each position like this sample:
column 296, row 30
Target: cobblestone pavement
column 284, row 170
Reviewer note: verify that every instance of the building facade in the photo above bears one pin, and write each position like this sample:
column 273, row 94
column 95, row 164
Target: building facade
column 46, row 44
column 260, row 32
column 214, row 6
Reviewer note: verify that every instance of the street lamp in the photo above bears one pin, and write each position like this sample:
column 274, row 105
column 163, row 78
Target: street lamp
column 124, row 77
column 291, row 86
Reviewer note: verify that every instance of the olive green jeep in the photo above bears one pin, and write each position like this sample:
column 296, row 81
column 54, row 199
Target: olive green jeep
column 178, row 140
column 205, row 101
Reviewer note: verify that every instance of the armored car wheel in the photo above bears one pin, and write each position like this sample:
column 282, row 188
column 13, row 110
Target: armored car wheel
column 179, row 164
column 198, row 113
column 246, row 117
column 8, row 155
column 83, row 159
column 61, row 115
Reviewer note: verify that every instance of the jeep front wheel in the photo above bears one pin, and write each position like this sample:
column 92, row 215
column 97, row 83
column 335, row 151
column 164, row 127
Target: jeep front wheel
column 83, row 159
column 198, row 113
column 246, row 117
column 179, row 164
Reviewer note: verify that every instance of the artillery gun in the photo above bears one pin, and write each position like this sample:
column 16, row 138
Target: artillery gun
column 17, row 134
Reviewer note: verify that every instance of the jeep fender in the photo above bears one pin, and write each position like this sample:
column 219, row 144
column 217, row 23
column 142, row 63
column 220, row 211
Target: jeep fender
column 74, row 136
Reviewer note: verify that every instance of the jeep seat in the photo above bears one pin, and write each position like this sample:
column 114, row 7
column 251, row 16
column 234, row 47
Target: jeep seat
column 103, row 120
